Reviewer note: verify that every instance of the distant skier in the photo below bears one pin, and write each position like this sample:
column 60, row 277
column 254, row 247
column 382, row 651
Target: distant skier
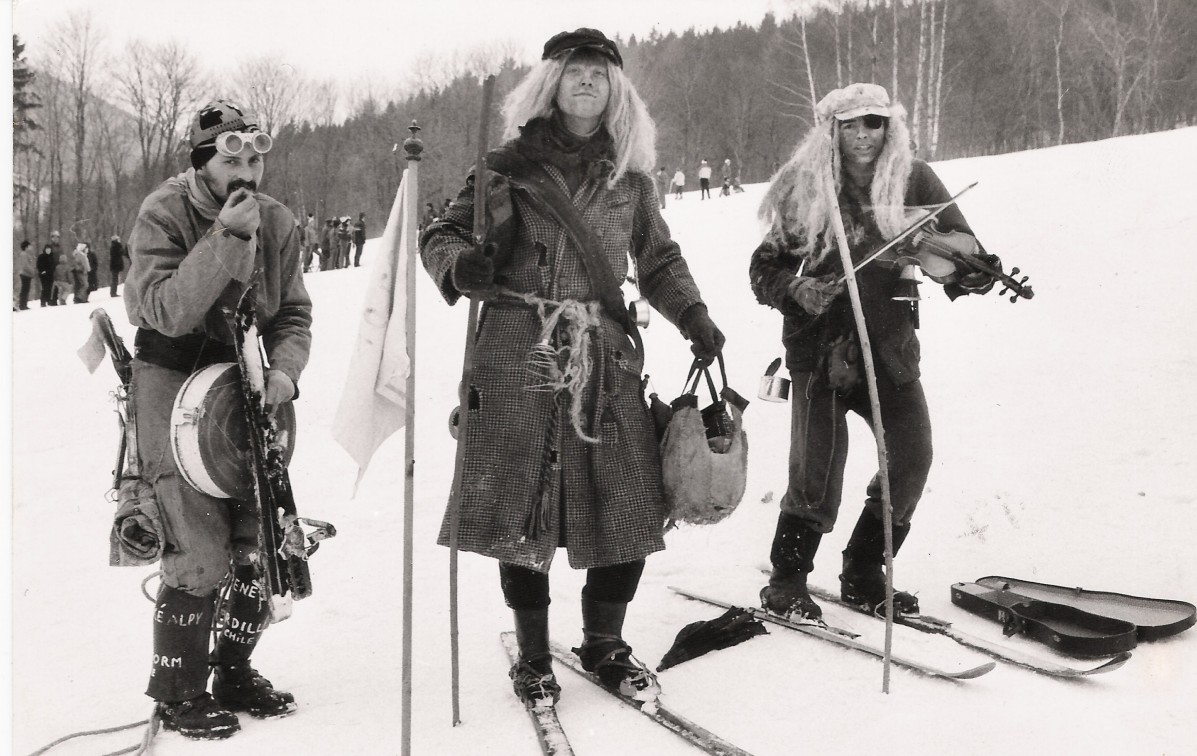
column 704, row 180
column 116, row 263
column 679, row 182
column 359, row 239
column 794, row 270
column 200, row 240
column 561, row 450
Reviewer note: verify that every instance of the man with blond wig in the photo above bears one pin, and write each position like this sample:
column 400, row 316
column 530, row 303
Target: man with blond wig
column 861, row 145
column 560, row 448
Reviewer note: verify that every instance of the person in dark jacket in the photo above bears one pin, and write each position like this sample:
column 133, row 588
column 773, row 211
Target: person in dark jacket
column 93, row 268
column 359, row 239
column 797, row 270
column 26, row 270
column 116, row 263
column 202, row 240
column 560, row 449
column 47, row 262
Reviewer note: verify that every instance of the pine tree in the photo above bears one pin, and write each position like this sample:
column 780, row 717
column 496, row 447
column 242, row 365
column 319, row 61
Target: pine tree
column 23, row 99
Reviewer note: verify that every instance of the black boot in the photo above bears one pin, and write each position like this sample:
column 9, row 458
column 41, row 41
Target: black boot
column 604, row 652
column 179, row 678
column 793, row 556
column 237, row 685
column 532, row 676
column 863, row 579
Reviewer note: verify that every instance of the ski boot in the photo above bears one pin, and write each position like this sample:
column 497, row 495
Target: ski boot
column 863, row 580
column 793, row 558
column 611, row 660
column 604, row 652
column 534, row 683
column 239, row 687
column 201, row 718
column 532, row 676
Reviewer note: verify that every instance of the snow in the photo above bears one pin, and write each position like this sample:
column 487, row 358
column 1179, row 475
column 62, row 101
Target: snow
column 1064, row 432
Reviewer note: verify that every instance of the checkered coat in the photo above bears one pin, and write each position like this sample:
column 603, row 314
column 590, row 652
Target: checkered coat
column 603, row 501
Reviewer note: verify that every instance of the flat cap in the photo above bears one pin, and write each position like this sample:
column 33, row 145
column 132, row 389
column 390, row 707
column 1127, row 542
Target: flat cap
column 591, row 39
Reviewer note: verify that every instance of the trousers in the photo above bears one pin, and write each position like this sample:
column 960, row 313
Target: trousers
column 819, row 448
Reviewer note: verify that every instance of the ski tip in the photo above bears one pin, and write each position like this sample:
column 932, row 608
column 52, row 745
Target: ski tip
column 1109, row 666
column 977, row 671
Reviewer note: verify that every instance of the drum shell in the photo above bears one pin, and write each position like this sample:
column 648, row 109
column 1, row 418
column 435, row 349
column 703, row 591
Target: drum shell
column 209, row 437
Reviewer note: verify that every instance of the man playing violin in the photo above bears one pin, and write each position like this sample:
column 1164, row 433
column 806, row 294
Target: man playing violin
column 861, row 141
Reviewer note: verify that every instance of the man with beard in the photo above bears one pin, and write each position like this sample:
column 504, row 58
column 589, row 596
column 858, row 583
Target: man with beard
column 202, row 239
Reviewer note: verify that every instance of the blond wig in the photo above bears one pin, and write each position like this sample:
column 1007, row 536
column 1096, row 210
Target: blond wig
column 797, row 204
column 633, row 133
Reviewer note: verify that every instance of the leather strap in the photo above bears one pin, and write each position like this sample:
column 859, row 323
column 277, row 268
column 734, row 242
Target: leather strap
column 531, row 178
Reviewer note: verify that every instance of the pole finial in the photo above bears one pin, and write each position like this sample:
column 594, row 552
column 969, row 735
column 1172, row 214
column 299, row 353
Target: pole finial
column 412, row 145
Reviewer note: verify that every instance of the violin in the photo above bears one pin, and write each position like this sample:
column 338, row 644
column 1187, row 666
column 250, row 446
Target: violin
column 943, row 254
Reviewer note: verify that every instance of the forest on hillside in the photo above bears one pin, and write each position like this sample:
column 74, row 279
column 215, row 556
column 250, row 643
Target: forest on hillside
column 96, row 129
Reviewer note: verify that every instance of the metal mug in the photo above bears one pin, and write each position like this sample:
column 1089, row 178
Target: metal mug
column 907, row 287
column 774, row 388
column 639, row 312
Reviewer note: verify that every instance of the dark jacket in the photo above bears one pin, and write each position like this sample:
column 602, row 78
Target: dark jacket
column 808, row 338
column 116, row 257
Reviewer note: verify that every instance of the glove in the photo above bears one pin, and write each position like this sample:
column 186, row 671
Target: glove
column 500, row 220
column 473, row 271
column 706, row 340
column 814, row 294
column 975, row 281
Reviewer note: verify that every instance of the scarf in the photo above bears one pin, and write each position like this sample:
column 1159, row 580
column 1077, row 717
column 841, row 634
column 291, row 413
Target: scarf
column 201, row 196
column 546, row 140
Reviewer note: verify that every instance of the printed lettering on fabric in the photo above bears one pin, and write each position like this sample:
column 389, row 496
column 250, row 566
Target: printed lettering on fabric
column 189, row 619
column 166, row 662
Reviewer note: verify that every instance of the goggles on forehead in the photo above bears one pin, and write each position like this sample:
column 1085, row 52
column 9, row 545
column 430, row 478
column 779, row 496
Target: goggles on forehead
column 231, row 143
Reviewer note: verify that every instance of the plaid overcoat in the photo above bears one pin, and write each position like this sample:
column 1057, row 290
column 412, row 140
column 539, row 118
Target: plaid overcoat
column 522, row 455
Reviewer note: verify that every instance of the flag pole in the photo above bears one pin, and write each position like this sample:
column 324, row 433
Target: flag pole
column 413, row 147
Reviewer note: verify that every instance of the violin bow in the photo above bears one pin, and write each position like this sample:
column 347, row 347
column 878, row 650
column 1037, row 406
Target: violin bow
column 908, row 231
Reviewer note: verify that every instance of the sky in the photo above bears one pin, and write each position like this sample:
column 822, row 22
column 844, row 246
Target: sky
column 371, row 40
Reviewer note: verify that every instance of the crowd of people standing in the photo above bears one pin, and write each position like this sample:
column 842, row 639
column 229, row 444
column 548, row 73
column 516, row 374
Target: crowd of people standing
column 63, row 274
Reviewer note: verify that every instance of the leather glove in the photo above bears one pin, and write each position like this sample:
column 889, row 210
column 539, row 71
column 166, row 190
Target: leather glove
column 974, row 282
column 706, row 340
column 473, row 271
column 500, row 220
column 814, row 294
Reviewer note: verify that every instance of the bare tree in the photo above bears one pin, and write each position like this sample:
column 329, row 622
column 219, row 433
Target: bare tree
column 917, row 123
column 162, row 85
column 272, row 89
column 78, row 53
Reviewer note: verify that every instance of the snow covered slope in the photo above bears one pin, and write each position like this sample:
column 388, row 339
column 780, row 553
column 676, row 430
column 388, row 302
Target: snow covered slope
column 1064, row 434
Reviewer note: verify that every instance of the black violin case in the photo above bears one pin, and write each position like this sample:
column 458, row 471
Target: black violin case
column 1073, row 621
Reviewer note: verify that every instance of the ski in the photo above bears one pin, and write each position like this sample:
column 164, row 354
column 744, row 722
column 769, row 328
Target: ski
column 692, row 733
column 550, row 733
column 127, row 464
column 281, row 560
column 816, row 631
column 1004, row 652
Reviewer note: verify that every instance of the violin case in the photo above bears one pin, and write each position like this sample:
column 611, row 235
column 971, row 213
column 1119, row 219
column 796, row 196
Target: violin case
column 1073, row 621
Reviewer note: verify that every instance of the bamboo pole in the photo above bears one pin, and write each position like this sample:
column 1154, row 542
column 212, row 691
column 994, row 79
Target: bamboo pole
column 866, row 352
column 463, row 401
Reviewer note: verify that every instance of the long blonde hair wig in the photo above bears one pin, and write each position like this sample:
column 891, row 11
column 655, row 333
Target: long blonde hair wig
column 797, row 204
column 633, row 133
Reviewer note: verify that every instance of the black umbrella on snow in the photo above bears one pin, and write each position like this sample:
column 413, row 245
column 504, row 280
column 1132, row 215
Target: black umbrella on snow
column 728, row 629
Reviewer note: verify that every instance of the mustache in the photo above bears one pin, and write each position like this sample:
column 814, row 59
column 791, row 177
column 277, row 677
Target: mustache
column 236, row 184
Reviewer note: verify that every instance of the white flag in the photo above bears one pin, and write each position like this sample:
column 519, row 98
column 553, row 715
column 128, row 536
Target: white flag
column 373, row 401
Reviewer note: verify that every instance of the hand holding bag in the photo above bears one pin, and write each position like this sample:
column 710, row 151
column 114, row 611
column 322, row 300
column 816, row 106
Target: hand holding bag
column 704, row 453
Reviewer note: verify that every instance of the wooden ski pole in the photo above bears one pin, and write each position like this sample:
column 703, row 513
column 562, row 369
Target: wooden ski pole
column 413, row 147
column 866, row 351
column 463, row 398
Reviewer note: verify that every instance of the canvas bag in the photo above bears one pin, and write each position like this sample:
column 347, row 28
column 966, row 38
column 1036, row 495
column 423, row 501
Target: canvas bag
column 704, row 453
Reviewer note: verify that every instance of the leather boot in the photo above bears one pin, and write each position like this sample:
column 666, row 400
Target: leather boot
column 793, row 557
column 604, row 652
column 532, row 676
column 863, row 580
column 237, row 685
column 179, row 677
